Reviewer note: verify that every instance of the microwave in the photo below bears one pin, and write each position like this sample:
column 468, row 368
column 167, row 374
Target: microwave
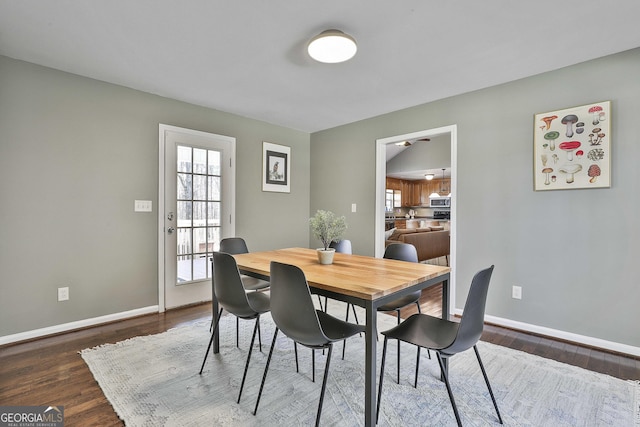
column 440, row 202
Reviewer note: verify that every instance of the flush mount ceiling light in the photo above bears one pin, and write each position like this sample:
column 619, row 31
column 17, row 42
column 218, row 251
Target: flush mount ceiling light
column 332, row 46
column 429, row 176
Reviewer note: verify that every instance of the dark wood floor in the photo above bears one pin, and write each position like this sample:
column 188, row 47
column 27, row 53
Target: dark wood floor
column 49, row 371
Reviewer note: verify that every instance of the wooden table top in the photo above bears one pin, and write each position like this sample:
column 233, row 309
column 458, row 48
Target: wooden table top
column 363, row 277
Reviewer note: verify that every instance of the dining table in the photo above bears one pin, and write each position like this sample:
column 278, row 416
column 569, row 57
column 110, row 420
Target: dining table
column 365, row 281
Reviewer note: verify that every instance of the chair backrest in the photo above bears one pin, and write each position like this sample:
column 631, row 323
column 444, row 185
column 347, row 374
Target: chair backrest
column 402, row 252
column 472, row 321
column 228, row 287
column 342, row 246
column 234, row 245
column 292, row 308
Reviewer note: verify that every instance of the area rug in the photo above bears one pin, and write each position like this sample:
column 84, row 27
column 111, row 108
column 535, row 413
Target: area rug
column 154, row 381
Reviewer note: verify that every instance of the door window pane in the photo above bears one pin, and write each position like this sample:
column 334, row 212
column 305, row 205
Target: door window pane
column 214, row 188
column 199, row 214
column 199, row 187
column 199, row 160
column 184, row 159
column 184, row 269
column 184, row 186
column 184, row 241
column 185, row 211
column 214, row 162
column 214, row 214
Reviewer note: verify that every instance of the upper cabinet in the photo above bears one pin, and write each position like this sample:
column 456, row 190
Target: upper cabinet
column 416, row 193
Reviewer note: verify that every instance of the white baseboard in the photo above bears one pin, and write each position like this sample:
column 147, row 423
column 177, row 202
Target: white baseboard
column 37, row 333
column 567, row 336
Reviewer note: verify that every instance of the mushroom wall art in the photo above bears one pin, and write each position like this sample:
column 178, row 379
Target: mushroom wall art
column 572, row 148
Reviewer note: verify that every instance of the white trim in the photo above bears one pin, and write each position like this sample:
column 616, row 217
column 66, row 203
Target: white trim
column 66, row 327
column 161, row 186
column 567, row 336
column 381, row 168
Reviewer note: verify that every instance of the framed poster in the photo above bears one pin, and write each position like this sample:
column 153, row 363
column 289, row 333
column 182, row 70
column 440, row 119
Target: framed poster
column 572, row 148
column 276, row 168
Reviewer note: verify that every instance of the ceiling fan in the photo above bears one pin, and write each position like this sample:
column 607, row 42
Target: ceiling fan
column 408, row 143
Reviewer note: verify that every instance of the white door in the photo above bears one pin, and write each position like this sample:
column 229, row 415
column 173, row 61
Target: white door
column 196, row 210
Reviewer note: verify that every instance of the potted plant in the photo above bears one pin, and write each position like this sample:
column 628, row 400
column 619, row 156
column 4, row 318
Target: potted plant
column 327, row 227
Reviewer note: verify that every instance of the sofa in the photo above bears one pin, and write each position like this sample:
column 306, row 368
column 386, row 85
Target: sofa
column 430, row 242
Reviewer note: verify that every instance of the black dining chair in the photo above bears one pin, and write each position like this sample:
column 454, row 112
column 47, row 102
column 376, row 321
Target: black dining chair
column 233, row 246
column 232, row 297
column 402, row 252
column 293, row 312
column 445, row 337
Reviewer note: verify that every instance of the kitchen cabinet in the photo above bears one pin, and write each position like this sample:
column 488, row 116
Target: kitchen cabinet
column 394, row 184
column 401, row 224
column 407, row 194
column 416, row 198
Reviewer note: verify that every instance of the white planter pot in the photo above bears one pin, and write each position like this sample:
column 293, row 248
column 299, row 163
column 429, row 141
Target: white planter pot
column 326, row 257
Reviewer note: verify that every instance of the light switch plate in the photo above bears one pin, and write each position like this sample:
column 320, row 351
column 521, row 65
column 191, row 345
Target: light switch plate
column 353, row 207
column 142, row 206
column 516, row 292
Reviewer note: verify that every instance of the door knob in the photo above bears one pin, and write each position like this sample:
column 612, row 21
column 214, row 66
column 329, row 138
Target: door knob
column 170, row 230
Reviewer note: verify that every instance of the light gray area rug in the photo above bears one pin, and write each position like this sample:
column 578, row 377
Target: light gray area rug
column 154, row 381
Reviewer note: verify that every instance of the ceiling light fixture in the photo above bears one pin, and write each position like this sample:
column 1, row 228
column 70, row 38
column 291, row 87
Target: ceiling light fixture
column 429, row 176
column 332, row 47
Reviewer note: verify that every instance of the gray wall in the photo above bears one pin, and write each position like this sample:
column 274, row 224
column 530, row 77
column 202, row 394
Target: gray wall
column 575, row 253
column 74, row 155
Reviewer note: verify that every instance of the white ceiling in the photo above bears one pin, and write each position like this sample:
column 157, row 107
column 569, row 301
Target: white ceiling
column 248, row 57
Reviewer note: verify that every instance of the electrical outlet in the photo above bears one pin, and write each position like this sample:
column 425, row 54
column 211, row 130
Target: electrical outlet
column 516, row 292
column 63, row 294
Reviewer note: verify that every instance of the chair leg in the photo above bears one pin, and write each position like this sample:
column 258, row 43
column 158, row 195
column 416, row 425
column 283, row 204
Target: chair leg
column 237, row 332
column 266, row 368
column 399, row 320
column 324, row 384
column 313, row 366
column 344, row 342
column 295, row 350
column 246, row 365
column 446, row 382
column 259, row 334
column 384, row 356
column 213, row 335
column 415, row 383
column 486, row 380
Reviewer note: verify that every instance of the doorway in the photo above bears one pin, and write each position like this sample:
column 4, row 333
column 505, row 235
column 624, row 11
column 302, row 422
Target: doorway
column 381, row 168
column 196, row 209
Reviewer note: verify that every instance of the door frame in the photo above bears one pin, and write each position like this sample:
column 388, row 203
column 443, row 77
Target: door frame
column 381, row 171
column 163, row 129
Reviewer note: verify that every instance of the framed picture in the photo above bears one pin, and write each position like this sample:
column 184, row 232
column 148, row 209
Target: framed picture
column 276, row 168
column 572, row 148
